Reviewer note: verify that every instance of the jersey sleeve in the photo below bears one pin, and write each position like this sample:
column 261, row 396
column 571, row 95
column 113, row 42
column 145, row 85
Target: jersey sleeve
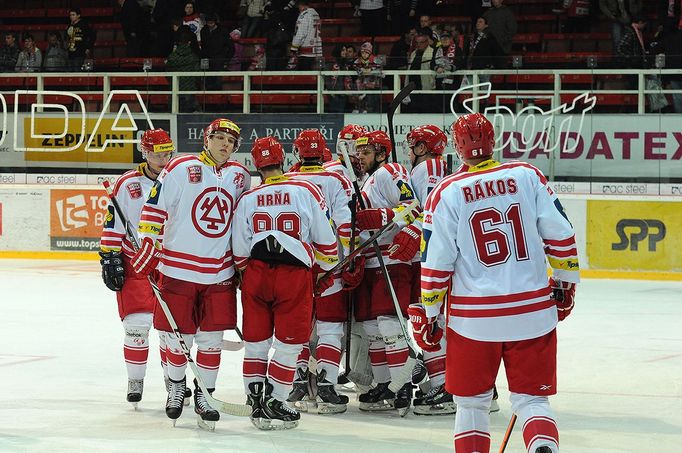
column 164, row 194
column 114, row 230
column 557, row 233
column 304, row 24
column 323, row 239
column 242, row 233
column 438, row 251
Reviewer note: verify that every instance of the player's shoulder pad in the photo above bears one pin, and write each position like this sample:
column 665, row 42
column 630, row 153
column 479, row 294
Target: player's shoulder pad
column 235, row 164
column 178, row 161
column 528, row 168
column 124, row 178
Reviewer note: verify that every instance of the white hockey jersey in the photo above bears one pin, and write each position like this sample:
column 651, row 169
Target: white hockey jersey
column 307, row 37
column 337, row 194
column 423, row 178
column 495, row 227
column 131, row 191
column 192, row 204
column 294, row 212
column 387, row 187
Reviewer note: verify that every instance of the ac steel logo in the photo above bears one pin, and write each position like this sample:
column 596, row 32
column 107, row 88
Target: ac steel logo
column 72, row 212
column 531, row 126
column 74, row 141
column 639, row 230
column 212, row 212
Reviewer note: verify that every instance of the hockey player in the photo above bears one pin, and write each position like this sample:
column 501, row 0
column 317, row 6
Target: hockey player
column 426, row 145
column 346, row 139
column 282, row 241
column 331, row 307
column 133, row 292
column 488, row 234
column 193, row 203
column 386, row 189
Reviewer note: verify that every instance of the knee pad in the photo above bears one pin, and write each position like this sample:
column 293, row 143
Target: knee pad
column 286, row 348
column 476, row 402
column 389, row 326
column 257, row 348
column 137, row 325
column 209, row 340
column 325, row 328
column 526, row 406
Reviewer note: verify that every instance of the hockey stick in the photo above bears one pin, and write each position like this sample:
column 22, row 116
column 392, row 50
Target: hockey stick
column 507, row 434
column 230, row 345
column 349, row 295
column 239, row 410
column 406, row 371
column 373, row 238
column 395, row 103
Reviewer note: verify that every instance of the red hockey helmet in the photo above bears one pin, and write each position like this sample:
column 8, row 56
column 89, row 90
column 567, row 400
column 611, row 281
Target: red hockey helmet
column 156, row 141
column 310, row 143
column 473, row 136
column 432, row 136
column 347, row 137
column 223, row 125
column 267, row 151
column 378, row 139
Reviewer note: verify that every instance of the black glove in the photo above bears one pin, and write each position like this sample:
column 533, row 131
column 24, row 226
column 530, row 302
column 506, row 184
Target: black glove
column 112, row 270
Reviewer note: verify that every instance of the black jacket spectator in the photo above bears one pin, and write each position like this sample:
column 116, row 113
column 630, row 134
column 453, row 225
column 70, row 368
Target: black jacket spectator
column 80, row 38
column 9, row 53
column 277, row 42
column 631, row 51
column 135, row 22
column 484, row 51
column 216, row 44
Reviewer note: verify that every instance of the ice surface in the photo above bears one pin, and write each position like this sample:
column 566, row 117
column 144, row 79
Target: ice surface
column 64, row 381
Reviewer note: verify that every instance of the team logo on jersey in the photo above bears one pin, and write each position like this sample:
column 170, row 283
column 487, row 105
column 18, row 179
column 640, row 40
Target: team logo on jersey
column 433, row 180
column 239, row 180
column 194, row 174
column 109, row 219
column 212, row 212
column 405, row 191
column 154, row 194
column 135, row 190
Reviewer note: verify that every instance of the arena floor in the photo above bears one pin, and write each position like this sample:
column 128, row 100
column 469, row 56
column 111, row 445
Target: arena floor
column 64, row 381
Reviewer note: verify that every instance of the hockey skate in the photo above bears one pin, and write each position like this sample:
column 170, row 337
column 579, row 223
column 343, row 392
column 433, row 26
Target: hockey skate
column 300, row 395
column 176, row 398
column 380, row 398
column 255, row 400
column 135, row 387
column 277, row 414
column 403, row 399
column 543, row 449
column 188, row 392
column 436, row 401
column 207, row 415
column 328, row 401
column 419, row 370
column 494, row 407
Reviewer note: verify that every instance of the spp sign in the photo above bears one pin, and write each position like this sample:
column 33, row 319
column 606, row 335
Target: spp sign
column 633, row 231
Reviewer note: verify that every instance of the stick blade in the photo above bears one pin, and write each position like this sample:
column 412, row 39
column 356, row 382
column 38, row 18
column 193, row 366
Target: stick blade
column 405, row 92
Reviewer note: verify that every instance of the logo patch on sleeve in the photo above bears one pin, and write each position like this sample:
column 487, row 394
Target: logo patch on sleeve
column 405, row 191
column 194, row 174
column 134, row 190
column 109, row 220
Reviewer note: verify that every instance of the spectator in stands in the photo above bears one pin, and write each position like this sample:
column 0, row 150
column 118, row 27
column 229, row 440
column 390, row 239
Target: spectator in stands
column 55, row 58
column 631, row 50
column 372, row 17
column 253, row 18
column 135, row 22
column 193, row 20
column 369, row 77
column 501, row 25
column 30, row 59
column 477, row 8
column 277, row 39
column 620, row 13
column 9, row 53
column 80, row 38
column 669, row 13
column 401, row 50
column 306, row 46
column 671, row 46
column 216, row 44
column 258, row 60
column 179, row 30
column 237, row 60
column 184, row 59
column 484, row 51
column 424, row 57
column 452, row 60
column 399, row 15
column 163, row 14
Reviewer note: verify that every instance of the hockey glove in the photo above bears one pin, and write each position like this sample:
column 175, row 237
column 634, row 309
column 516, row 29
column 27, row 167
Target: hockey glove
column 406, row 244
column 563, row 294
column 146, row 258
column 373, row 219
column 351, row 279
column 426, row 331
column 112, row 270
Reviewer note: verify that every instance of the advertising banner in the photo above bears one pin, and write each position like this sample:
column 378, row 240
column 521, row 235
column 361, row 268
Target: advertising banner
column 76, row 218
column 283, row 127
column 634, row 235
column 24, row 223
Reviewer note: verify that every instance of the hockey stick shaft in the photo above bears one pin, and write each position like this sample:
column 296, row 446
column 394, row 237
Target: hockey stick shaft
column 395, row 103
column 349, row 295
column 507, row 434
column 411, row 361
column 240, row 410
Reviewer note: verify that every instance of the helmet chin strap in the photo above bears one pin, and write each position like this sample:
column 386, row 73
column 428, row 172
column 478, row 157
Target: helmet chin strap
column 416, row 161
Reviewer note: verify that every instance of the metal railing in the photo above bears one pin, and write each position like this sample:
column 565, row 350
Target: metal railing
column 242, row 84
